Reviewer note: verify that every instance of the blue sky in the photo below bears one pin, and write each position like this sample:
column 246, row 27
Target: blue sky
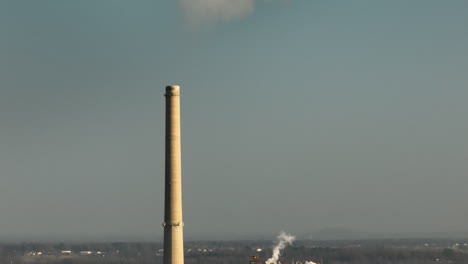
column 296, row 115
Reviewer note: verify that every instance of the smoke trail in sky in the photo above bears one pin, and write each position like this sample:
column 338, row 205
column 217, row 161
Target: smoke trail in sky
column 200, row 12
column 284, row 239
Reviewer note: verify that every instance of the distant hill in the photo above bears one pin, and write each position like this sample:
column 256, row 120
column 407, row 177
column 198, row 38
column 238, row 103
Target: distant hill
column 342, row 233
column 339, row 233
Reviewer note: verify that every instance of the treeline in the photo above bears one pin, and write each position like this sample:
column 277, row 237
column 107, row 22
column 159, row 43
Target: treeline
column 377, row 255
column 229, row 252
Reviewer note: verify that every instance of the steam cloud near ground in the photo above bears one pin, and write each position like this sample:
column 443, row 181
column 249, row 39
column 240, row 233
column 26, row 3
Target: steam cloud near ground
column 284, row 239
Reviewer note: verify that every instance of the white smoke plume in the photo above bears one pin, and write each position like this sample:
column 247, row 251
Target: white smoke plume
column 200, row 12
column 310, row 262
column 284, row 239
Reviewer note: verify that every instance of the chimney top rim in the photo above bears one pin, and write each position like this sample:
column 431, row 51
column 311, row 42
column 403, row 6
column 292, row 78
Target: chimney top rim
column 172, row 88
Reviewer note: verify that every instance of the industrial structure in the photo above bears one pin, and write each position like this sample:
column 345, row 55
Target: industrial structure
column 173, row 224
column 255, row 260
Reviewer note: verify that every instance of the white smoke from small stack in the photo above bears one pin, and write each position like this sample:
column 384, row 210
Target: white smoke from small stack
column 284, row 239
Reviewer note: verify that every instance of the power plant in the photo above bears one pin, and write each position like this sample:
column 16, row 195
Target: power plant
column 173, row 224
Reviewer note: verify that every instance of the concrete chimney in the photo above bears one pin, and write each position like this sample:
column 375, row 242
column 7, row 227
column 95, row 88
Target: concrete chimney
column 173, row 224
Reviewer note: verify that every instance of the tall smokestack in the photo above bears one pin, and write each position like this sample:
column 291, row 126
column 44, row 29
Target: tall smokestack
column 173, row 224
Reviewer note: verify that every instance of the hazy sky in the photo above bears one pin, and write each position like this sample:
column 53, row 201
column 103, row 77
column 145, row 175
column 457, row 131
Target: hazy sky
column 296, row 115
